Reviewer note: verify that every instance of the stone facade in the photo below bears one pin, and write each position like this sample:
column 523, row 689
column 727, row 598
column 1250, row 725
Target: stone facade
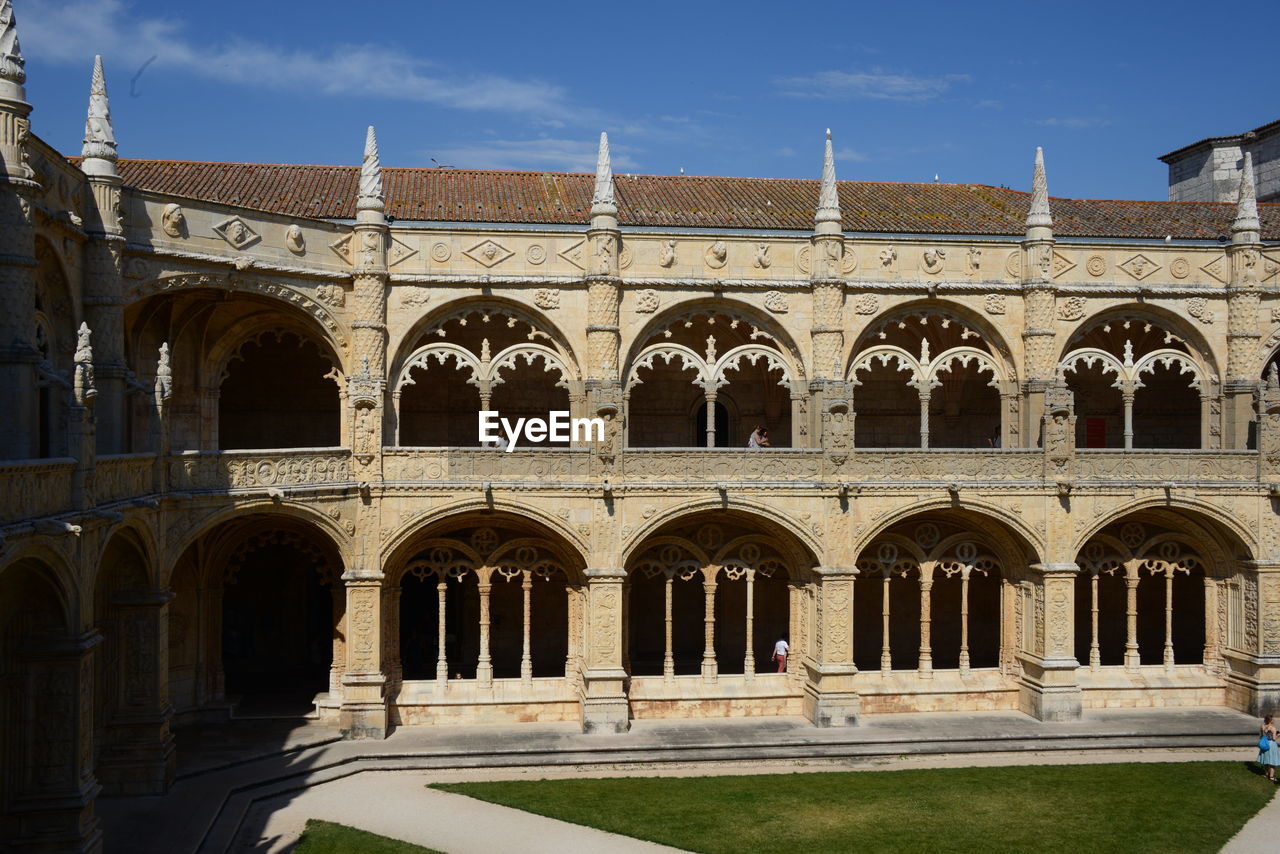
column 1209, row 170
column 1008, row 470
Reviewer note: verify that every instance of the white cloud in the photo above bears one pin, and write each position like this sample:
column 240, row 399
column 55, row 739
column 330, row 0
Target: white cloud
column 875, row 83
column 73, row 32
column 849, row 154
column 1073, row 122
column 786, row 151
column 571, row 155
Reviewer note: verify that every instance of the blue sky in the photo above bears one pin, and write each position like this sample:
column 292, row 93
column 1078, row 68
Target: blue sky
column 909, row 90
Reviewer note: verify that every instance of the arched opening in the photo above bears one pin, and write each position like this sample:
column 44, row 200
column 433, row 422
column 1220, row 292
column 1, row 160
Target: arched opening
column 54, row 337
column 487, row 356
column 277, row 394
column 931, row 594
column 709, row 360
column 928, row 378
column 487, row 600
column 1136, row 384
column 711, row 596
column 1141, row 594
column 39, row 701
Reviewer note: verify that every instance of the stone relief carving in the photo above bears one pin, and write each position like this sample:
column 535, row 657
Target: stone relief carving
column 866, row 303
column 1216, row 268
column 973, row 260
column 762, row 256
column 536, row 254
column 932, row 259
column 488, row 253
column 667, row 257
column 647, row 301
column 1062, row 264
column 399, row 251
column 626, row 257
column 173, row 221
column 574, row 255
column 1198, row 307
column 802, row 260
column 294, row 241
column 1013, row 264
column 1096, row 266
column 1180, row 268
column 776, row 302
column 236, row 232
column 547, row 298
column 441, row 252
column 888, row 256
column 342, row 247
column 994, row 304
column 717, row 254
column 1139, row 266
column 332, row 295
column 1072, row 308
column 414, row 295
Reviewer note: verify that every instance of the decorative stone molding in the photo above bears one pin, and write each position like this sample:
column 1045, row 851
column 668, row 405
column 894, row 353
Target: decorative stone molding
column 237, row 233
column 488, row 253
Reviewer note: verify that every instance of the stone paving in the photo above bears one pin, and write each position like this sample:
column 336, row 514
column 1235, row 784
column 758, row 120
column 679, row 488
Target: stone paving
column 221, row 784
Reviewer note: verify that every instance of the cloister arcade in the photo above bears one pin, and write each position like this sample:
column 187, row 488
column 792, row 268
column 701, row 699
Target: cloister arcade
column 707, row 377
column 931, row 377
column 1138, row 384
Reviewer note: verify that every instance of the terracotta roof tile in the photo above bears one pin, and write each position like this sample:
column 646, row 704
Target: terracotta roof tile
column 448, row 195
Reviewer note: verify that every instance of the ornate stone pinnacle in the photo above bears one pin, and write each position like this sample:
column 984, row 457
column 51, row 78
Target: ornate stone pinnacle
column 1039, row 214
column 1247, row 202
column 12, row 65
column 602, row 201
column 99, row 138
column 828, row 198
column 370, row 197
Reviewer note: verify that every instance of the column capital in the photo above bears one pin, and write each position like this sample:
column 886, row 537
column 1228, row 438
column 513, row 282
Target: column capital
column 607, row 573
column 1056, row 568
column 836, row 573
column 355, row 577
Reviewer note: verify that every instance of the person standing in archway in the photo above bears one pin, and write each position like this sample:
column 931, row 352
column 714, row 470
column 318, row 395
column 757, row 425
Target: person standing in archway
column 780, row 650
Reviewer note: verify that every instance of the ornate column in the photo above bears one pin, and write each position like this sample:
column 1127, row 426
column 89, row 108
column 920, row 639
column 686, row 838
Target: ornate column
column 1050, row 690
column 668, row 652
column 1243, row 327
column 964, row 620
column 1214, row 643
column 137, row 755
column 604, row 701
column 926, row 394
column 442, row 655
column 749, row 658
column 832, row 405
column 709, row 392
column 103, row 256
column 393, row 667
column 526, row 656
column 603, row 387
column 831, row 697
column 484, row 664
column 886, row 652
column 1095, row 650
column 925, row 665
column 19, row 436
column 364, row 711
column 1168, row 619
column 1039, row 302
column 1059, row 432
column 366, row 387
column 55, row 787
column 1132, row 657
column 709, row 665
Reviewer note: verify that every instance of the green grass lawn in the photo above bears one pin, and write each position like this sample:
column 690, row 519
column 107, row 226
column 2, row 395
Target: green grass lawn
column 1166, row 807
column 325, row 837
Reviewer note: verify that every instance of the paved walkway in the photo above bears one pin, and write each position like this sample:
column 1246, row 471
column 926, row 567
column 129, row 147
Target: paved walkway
column 1261, row 835
column 223, row 782
column 398, row 804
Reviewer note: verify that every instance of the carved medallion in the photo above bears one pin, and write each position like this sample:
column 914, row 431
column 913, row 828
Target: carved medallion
column 1139, row 266
column 488, row 253
column 849, row 262
column 866, row 304
column 440, row 252
column 776, row 302
column 802, row 260
column 1180, row 268
column 1096, row 266
column 647, row 301
column 294, row 240
column 1013, row 264
column 237, row 232
column 931, row 260
column 1072, row 308
column 625, row 257
column 536, row 254
column 994, row 304
column 1198, row 307
column 717, row 254
column 173, row 221
column 547, row 298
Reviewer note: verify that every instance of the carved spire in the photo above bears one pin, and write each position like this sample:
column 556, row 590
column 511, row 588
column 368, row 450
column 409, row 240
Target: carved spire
column 1246, row 206
column 370, row 197
column 99, row 138
column 602, row 201
column 12, row 65
column 828, row 198
column 1039, row 215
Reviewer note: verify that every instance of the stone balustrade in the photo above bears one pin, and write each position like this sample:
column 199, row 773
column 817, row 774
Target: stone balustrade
column 36, row 488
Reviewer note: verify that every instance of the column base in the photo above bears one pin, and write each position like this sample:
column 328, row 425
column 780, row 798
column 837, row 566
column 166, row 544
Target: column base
column 62, row 825
column 363, row 713
column 605, row 708
column 139, row 765
column 1049, row 693
column 830, row 700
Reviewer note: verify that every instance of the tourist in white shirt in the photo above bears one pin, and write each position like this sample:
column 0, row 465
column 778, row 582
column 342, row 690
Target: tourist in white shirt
column 780, row 650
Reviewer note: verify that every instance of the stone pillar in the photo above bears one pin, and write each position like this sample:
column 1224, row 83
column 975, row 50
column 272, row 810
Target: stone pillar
column 1049, row 688
column 364, row 711
column 832, row 397
column 604, row 294
column 1243, row 328
column 604, row 696
column 1038, row 301
column 1260, row 669
column 53, row 800
column 137, row 755
column 830, row 695
column 366, row 385
column 19, row 437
